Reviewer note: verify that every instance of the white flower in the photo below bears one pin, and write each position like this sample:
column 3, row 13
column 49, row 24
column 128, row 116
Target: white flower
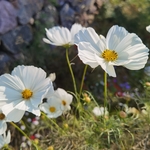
column 57, row 103
column 61, row 36
column 22, row 91
column 52, row 107
column 119, row 48
column 148, row 28
column 64, row 98
column 100, row 111
column 3, row 122
column 4, row 140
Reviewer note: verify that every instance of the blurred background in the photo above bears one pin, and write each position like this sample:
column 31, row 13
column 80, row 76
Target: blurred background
column 22, row 27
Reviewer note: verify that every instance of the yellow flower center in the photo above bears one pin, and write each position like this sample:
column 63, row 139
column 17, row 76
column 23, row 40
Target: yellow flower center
column 2, row 116
column 26, row 94
column 52, row 109
column 64, row 102
column 109, row 55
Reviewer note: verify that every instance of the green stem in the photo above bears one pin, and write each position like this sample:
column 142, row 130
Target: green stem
column 105, row 90
column 70, row 68
column 53, row 122
column 35, row 145
column 82, row 81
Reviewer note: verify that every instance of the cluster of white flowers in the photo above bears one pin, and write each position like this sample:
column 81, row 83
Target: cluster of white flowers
column 57, row 103
column 119, row 48
column 24, row 90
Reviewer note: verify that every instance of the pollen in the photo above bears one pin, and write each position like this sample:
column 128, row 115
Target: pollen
column 2, row 116
column 52, row 109
column 26, row 94
column 64, row 102
column 109, row 55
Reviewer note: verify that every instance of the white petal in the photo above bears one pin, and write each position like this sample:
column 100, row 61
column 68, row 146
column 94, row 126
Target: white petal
column 49, row 33
column 66, row 35
column 29, row 107
column 36, row 100
column 30, row 75
column 7, row 108
column 44, row 107
column 54, row 35
column 41, row 85
column 138, row 56
column 2, row 141
column 115, row 36
column 15, row 115
column 35, row 111
column 11, row 82
column 102, row 38
column 8, row 138
column 55, row 115
column 23, row 105
column 86, row 54
column 18, row 71
column 63, row 95
column 126, row 43
column 49, row 92
column 3, row 127
column 47, row 41
column 106, row 67
column 75, row 29
column 87, row 35
column 58, row 36
column 8, row 95
column 137, row 64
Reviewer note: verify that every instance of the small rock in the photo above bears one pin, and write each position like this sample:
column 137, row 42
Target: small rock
column 4, row 61
column 80, row 11
column 67, row 15
column 48, row 17
column 15, row 40
column 27, row 9
column 8, row 17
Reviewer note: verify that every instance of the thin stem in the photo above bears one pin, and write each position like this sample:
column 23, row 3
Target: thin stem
column 105, row 90
column 53, row 122
column 70, row 68
column 35, row 145
column 82, row 81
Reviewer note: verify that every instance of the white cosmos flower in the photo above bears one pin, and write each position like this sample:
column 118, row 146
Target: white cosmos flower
column 119, row 48
column 3, row 122
column 64, row 98
column 99, row 111
column 22, row 91
column 52, row 107
column 148, row 28
column 57, row 103
column 4, row 140
column 61, row 36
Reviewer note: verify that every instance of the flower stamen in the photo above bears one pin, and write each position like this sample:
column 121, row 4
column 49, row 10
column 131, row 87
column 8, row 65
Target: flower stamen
column 64, row 102
column 2, row 116
column 52, row 109
column 26, row 94
column 109, row 55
